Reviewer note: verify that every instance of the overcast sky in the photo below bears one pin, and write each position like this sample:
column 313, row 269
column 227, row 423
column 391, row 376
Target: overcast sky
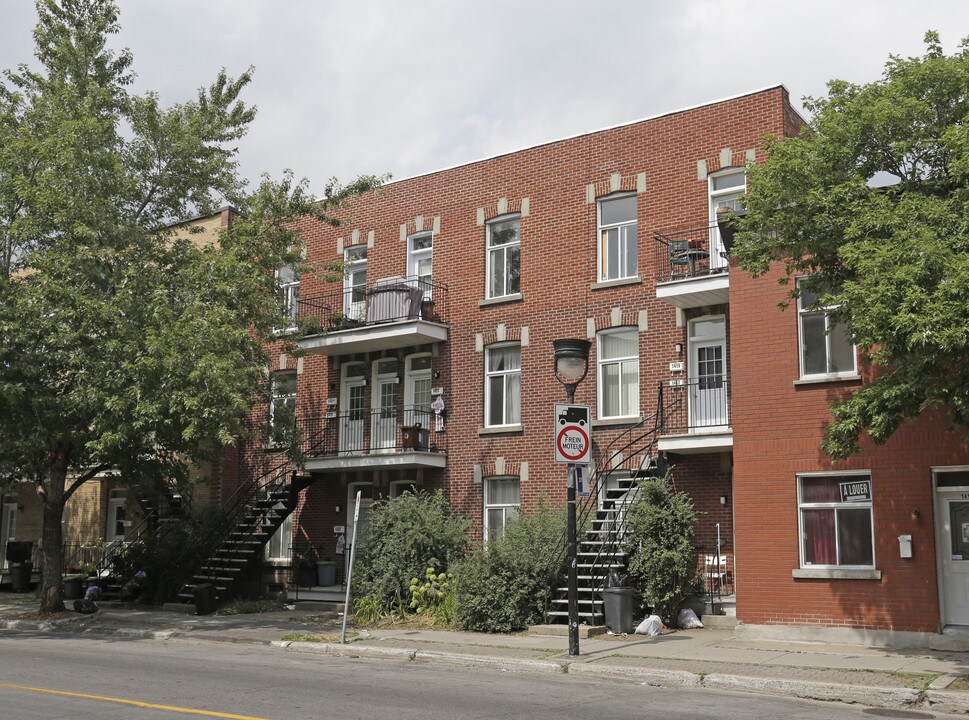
column 411, row 86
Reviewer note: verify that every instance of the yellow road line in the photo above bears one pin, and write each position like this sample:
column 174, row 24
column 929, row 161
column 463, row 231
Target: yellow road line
column 136, row 703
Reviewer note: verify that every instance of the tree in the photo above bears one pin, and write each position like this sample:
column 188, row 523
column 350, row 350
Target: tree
column 869, row 205
column 124, row 348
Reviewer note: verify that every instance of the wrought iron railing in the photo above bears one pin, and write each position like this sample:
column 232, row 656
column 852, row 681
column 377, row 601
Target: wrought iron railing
column 689, row 253
column 388, row 300
column 371, row 432
column 704, row 404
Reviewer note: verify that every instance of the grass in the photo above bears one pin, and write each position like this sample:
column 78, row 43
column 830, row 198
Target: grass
column 317, row 637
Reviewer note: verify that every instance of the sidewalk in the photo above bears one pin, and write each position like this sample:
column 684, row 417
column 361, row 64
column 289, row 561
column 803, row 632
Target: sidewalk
column 702, row 658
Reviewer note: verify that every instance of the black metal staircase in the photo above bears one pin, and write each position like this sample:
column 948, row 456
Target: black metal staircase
column 602, row 521
column 256, row 520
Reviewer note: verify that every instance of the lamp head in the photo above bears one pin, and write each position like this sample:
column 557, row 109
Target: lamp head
column 571, row 360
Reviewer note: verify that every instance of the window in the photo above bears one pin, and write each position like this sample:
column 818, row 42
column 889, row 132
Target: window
column 825, row 348
column 617, row 238
column 727, row 190
column 504, row 257
column 287, row 293
column 420, row 260
column 835, row 521
column 503, row 385
column 355, row 282
column 618, row 358
column 280, row 545
column 282, row 405
column 502, row 505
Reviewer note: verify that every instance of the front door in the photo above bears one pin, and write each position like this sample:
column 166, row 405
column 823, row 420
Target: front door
column 115, row 530
column 353, row 393
column 9, row 530
column 708, row 373
column 952, row 512
column 383, row 414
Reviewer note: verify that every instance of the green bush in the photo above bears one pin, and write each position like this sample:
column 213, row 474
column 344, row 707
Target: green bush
column 405, row 536
column 433, row 597
column 504, row 587
column 660, row 540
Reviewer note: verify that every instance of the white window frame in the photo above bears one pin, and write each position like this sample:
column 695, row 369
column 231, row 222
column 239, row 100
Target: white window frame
column 724, row 197
column 280, row 545
column 512, row 419
column 416, row 256
column 355, row 260
column 602, row 362
column 277, row 398
column 623, row 245
column 288, row 295
column 504, row 508
column 801, row 506
column 497, row 258
column 824, row 311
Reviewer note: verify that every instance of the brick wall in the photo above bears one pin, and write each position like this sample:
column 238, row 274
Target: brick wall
column 778, row 426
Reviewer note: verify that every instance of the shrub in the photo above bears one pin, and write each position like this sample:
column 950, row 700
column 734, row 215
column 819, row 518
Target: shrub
column 405, row 536
column 660, row 539
column 433, row 597
column 504, row 587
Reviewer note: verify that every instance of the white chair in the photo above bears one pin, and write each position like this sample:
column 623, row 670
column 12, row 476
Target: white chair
column 716, row 571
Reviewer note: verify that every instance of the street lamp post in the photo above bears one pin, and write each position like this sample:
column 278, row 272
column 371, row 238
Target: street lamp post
column 571, row 367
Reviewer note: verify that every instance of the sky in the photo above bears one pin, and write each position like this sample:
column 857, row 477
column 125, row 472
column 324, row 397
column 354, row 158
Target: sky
column 411, row 86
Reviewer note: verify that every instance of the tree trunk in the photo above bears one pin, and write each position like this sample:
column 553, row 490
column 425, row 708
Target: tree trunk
column 51, row 594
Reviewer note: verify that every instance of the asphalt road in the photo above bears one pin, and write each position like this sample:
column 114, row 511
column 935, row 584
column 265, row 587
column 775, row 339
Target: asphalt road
column 49, row 677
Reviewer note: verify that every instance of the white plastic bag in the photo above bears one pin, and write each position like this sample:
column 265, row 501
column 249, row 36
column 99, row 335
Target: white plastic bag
column 650, row 626
column 688, row 620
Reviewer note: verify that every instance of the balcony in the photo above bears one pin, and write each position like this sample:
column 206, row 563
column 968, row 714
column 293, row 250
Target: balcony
column 694, row 269
column 395, row 312
column 381, row 439
column 696, row 415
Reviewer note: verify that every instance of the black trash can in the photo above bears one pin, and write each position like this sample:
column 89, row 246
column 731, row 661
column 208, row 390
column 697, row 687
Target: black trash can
column 20, row 576
column 18, row 551
column 73, row 587
column 619, row 609
column 204, row 599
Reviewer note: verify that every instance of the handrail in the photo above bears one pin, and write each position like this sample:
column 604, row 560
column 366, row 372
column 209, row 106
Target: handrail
column 603, row 466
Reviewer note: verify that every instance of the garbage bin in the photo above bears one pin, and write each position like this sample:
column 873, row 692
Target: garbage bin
column 20, row 576
column 73, row 587
column 326, row 571
column 204, row 599
column 619, row 609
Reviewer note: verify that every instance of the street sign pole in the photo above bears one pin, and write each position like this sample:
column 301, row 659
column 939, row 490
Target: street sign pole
column 573, row 569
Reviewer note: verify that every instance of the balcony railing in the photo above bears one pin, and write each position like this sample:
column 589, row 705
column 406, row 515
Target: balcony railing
column 696, row 405
column 689, row 253
column 371, row 432
column 392, row 299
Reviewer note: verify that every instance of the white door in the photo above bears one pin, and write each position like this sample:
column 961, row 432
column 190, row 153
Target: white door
column 9, row 530
column 952, row 514
column 383, row 412
column 708, row 374
column 115, row 530
column 353, row 393
column 417, row 390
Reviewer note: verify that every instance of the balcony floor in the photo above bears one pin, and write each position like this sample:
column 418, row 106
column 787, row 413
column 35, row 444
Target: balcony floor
column 369, row 338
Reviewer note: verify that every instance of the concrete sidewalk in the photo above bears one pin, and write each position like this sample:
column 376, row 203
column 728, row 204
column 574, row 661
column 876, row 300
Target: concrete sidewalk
column 702, row 658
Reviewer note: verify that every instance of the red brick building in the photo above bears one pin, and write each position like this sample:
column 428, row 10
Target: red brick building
column 430, row 365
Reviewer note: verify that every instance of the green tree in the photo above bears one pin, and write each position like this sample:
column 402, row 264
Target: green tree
column 869, row 204
column 124, row 348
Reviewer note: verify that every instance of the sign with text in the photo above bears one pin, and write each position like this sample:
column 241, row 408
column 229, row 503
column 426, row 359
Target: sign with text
column 573, row 443
column 856, row 491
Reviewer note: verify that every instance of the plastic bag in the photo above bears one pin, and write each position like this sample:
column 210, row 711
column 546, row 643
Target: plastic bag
column 652, row 626
column 688, row 620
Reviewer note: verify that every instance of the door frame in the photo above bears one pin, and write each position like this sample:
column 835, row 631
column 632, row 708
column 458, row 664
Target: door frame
column 380, row 440
column 346, row 383
column 693, row 344
column 941, row 496
column 7, row 508
column 117, row 498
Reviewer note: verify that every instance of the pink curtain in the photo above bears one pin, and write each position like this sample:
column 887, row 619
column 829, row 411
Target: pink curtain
column 819, row 541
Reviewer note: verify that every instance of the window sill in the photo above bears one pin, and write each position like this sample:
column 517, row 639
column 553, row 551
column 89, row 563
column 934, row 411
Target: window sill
column 834, row 574
column 500, row 430
column 609, row 422
column 828, row 379
column 637, row 280
column 514, row 297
